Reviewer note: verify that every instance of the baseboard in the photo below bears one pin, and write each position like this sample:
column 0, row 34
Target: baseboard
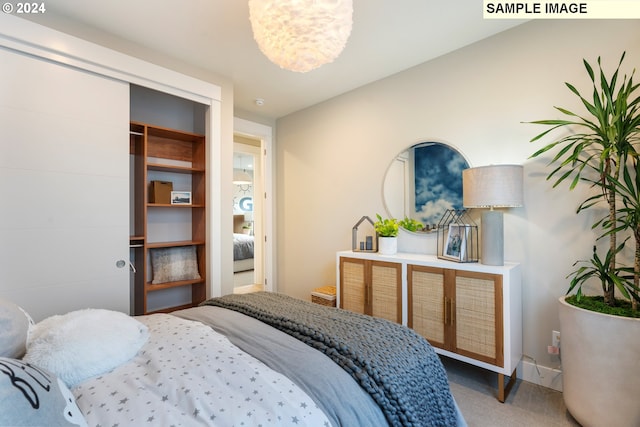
column 551, row 378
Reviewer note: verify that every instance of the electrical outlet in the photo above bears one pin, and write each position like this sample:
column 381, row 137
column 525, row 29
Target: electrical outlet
column 555, row 339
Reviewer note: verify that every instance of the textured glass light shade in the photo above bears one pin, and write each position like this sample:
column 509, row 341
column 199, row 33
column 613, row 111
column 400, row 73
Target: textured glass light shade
column 301, row 35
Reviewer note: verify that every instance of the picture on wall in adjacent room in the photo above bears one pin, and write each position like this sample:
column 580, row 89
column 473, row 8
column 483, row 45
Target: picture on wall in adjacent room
column 438, row 180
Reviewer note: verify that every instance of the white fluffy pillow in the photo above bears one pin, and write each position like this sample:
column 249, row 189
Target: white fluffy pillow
column 84, row 343
column 14, row 329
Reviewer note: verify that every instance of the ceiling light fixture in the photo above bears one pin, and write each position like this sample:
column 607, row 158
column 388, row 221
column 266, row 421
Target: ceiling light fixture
column 301, row 35
column 242, row 178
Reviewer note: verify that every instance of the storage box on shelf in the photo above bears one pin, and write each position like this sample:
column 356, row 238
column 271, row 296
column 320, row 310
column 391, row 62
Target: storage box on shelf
column 160, row 192
column 176, row 157
column 468, row 311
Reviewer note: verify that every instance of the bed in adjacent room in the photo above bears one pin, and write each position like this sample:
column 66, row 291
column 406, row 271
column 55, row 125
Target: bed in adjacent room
column 254, row 360
column 242, row 246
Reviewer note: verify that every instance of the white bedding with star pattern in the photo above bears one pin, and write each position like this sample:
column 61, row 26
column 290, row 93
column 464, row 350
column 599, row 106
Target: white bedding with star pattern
column 189, row 375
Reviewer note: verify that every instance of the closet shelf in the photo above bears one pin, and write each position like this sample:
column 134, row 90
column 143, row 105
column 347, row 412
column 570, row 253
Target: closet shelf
column 157, row 287
column 156, row 245
column 178, row 206
column 175, row 169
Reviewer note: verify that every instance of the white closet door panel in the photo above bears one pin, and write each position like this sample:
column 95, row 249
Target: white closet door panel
column 49, row 84
column 63, row 299
column 60, row 147
column 60, row 200
column 63, row 143
column 64, row 176
column 40, row 260
column 47, row 279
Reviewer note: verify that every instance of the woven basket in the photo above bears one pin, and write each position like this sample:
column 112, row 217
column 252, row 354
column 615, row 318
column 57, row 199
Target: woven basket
column 325, row 295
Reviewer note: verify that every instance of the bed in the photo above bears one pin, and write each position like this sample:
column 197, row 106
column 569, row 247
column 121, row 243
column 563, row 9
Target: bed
column 242, row 246
column 248, row 360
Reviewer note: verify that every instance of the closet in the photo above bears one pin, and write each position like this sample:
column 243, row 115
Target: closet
column 167, row 235
column 65, row 118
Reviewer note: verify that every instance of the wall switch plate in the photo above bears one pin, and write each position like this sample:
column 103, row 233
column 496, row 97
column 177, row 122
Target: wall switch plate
column 555, row 339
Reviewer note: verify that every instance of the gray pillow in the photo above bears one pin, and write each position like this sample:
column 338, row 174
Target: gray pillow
column 174, row 264
column 14, row 329
column 32, row 396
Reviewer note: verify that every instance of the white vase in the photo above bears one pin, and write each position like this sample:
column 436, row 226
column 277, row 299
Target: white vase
column 600, row 367
column 387, row 245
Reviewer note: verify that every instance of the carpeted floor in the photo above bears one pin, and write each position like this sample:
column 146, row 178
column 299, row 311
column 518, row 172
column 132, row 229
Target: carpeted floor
column 528, row 404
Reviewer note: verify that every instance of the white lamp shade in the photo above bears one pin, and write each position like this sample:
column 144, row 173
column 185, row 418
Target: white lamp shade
column 492, row 186
column 300, row 35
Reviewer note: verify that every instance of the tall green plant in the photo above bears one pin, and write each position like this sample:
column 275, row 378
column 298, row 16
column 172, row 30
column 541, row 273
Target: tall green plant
column 629, row 219
column 599, row 147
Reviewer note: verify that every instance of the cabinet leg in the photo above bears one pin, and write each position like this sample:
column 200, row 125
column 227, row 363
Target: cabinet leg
column 503, row 391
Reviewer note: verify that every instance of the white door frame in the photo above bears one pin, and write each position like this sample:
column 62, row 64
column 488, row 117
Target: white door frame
column 265, row 134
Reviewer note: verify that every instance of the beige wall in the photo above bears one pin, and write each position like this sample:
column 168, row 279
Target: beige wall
column 331, row 158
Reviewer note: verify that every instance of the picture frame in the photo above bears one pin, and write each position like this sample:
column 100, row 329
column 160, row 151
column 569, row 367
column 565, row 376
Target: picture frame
column 181, row 197
column 457, row 237
column 456, row 245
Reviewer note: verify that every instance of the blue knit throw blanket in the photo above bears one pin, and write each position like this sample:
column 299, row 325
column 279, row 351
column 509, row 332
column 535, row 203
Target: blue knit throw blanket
column 395, row 365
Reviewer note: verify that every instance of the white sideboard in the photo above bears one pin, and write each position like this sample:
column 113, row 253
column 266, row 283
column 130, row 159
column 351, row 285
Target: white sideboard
column 468, row 311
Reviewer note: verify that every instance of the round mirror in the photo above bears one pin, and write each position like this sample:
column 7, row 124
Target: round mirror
column 424, row 181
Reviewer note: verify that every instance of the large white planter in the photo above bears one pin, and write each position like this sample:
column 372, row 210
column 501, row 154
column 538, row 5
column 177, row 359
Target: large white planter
column 387, row 245
column 601, row 367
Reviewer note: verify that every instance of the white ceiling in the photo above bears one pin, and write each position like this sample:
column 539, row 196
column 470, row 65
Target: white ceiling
column 388, row 36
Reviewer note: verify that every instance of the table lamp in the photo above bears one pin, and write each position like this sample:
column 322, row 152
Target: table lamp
column 494, row 186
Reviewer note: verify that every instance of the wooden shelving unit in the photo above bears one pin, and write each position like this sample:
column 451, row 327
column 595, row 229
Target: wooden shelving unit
column 173, row 153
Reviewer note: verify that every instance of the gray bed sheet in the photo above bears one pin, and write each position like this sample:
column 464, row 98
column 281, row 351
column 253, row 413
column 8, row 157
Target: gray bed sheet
column 344, row 402
column 242, row 246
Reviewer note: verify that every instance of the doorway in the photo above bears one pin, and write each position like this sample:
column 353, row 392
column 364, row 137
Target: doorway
column 247, row 214
column 251, row 136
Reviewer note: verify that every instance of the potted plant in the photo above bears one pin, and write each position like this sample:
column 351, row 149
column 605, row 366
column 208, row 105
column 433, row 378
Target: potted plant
column 600, row 347
column 411, row 224
column 387, row 231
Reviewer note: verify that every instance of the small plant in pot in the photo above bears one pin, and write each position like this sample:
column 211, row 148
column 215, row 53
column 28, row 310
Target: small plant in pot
column 387, row 231
column 411, row 224
column 600, row 339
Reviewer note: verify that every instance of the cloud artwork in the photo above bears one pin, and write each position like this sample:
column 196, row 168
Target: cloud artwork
column 438, row 181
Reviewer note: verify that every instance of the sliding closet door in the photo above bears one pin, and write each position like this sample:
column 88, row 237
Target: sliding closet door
column 64, row 185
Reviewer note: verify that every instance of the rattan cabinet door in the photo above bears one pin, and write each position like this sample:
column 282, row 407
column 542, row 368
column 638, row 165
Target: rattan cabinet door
column 386, row 287
column 426, row 315
column 478, row 316
column 353, row 283
column 371, row 287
